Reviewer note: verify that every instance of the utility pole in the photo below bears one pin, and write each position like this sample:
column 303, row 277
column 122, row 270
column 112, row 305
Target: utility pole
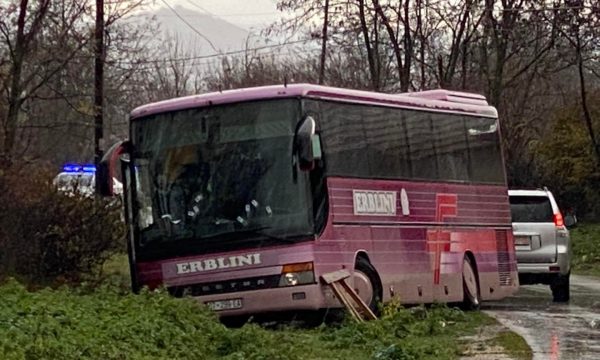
column 98, row 84
column 324, row 44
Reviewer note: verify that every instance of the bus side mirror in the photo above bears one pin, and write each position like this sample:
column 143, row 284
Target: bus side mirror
column 106, row 171
column 308, row 144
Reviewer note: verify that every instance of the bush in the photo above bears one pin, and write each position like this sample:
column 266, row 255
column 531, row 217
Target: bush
column 46, row 235
column 568, row 164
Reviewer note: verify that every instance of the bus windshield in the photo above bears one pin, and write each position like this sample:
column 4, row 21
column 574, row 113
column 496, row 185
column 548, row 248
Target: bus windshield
column 220, row 173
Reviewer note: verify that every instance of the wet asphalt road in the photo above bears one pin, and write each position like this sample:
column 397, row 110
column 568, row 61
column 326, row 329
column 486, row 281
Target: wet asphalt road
column 554, row 331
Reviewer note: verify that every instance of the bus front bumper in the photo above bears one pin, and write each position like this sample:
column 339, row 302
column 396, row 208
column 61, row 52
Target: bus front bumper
column 292, row 298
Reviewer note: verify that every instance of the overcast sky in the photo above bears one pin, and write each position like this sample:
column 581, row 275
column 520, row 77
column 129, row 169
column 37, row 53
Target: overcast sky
column 244, row 13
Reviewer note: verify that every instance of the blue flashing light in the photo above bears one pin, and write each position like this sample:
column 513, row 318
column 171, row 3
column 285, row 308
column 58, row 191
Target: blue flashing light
column 89, row 168
column 75, row 168
column 71, row 168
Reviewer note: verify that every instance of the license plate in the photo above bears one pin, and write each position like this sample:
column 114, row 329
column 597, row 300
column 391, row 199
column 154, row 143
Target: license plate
column 522, row 240
column 220, row 305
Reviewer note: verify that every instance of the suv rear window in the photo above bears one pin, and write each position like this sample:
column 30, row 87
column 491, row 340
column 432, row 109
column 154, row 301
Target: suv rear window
column 531, row 209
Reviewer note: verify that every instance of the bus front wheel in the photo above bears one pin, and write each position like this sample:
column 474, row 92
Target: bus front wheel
column 367, row 284
column 471, row 297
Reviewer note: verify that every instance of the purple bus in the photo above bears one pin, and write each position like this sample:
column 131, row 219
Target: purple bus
column 244, row 198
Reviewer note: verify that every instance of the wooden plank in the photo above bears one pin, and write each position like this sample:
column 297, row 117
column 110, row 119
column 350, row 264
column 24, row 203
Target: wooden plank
column 361, row 304
column 346, row 302
column 335, row 276
column 347, row 296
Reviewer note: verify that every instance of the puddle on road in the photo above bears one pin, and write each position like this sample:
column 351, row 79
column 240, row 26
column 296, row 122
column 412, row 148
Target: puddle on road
column 554, row 331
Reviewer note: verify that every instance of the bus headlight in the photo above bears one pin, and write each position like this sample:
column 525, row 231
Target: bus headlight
column 297, row 274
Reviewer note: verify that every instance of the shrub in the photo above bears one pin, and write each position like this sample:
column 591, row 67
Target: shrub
column 568, row 163
column 46, row 235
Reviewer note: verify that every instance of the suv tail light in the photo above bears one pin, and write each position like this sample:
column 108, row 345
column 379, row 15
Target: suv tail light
column 558, row 220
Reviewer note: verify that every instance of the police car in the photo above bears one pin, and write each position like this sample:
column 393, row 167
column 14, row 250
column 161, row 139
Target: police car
column 76, row 179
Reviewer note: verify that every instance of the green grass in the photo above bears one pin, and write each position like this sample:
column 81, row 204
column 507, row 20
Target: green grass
column 117, row 265
column 514, row 345
column 102, row 319
column 586, row 249
column 110, row 323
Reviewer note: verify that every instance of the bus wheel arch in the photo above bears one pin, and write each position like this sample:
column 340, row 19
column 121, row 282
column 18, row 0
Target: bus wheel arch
column 366, row 279
column 471, row 283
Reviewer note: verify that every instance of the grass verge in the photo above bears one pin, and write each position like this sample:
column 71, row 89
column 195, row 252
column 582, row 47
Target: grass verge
column 585, row 238
column 109, row 323
column 514, row 345
column 103, row 320
column 494, row 341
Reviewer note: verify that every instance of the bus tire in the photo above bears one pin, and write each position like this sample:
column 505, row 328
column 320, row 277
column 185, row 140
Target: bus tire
column 368, row 280
column 471, row 294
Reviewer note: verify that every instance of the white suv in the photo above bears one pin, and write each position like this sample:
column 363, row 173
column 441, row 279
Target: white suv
column 542, row 241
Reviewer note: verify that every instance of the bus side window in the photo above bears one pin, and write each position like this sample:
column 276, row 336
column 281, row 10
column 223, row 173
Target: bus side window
column 484, row 150
column 422, row 151
column 451, row 147
column 344, row 141
column 387, row 141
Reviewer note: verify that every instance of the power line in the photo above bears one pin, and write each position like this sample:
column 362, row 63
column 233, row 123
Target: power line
column 217, row 15
column 149, row 66
column 247, row 14
column 236, row 52
column 193, row 3
column 220, row 54
column 190, row 26
column 545, row 9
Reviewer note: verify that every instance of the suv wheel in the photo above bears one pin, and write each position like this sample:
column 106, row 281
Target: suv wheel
column 561, row 288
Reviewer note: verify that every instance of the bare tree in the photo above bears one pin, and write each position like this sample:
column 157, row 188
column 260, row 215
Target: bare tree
column 581, row 30
column 510, row 34
column 46, row 67
column 19, row 45
column 403, row 55
column 324, row 44
column 351, row 25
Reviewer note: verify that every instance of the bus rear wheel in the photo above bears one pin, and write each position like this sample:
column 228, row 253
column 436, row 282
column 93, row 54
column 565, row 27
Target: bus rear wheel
column 367, row 284
column 471, row 297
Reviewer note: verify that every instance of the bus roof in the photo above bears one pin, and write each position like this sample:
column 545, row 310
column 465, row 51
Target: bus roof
column 433, row 100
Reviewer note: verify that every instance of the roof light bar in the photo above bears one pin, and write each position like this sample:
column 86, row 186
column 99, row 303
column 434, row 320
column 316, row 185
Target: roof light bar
column 89, row 168
column 76, row 168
